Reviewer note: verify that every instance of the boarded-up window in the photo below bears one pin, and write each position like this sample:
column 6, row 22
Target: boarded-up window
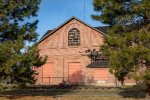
column 101, row 74
column 48, row 72
column 74, row 37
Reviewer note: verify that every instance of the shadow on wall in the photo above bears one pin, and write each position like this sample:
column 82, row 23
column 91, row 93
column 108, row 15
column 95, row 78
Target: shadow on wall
column 76, row 78
column 90, row 80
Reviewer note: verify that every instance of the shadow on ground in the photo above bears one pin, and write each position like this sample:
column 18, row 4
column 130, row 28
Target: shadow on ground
column 52, row 91
column 136, row 91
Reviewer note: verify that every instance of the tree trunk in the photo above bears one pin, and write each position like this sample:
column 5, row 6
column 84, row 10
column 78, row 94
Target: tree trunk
column 148, row 91
column 116, row 82
column 122, row 82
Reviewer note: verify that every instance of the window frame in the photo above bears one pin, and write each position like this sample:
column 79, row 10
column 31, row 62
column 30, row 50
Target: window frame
column 74, row 39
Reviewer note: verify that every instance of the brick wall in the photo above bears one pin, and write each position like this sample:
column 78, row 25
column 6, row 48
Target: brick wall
column 56, row 48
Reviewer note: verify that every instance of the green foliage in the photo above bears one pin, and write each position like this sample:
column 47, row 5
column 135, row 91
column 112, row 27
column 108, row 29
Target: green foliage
column 147, row 75
column 128, row 43
column 16, row 30
column 2, row 87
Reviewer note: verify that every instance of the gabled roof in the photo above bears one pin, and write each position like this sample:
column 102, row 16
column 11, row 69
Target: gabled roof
column 48, row 32
column 99, row 64
column 101, row 29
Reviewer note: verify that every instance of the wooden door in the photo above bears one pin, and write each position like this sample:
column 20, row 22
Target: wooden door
column 74, row 73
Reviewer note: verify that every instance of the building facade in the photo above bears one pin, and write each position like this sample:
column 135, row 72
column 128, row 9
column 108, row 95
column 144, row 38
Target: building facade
column 67, row 49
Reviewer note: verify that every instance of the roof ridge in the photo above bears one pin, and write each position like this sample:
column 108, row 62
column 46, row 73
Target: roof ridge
column 73, row 17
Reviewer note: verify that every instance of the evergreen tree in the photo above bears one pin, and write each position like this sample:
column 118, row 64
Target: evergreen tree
column 128, row 43
column 15, row 30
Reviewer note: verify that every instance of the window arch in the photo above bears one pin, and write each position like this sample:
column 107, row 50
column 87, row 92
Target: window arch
column 74, row 37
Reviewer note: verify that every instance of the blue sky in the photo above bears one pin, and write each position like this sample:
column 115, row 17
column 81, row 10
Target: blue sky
column 52, row 13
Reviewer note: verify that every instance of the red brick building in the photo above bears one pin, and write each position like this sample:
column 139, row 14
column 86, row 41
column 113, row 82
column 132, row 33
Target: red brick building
column 68, row 60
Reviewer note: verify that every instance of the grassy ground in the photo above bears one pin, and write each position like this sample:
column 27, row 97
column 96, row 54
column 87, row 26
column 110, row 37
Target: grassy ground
column 67, row 98
column 75, row 93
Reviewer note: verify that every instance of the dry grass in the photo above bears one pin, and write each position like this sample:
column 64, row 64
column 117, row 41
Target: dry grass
column 65, row 98
column 128, row 93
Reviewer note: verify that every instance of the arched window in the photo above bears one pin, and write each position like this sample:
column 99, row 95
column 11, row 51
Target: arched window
column 74, row 37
